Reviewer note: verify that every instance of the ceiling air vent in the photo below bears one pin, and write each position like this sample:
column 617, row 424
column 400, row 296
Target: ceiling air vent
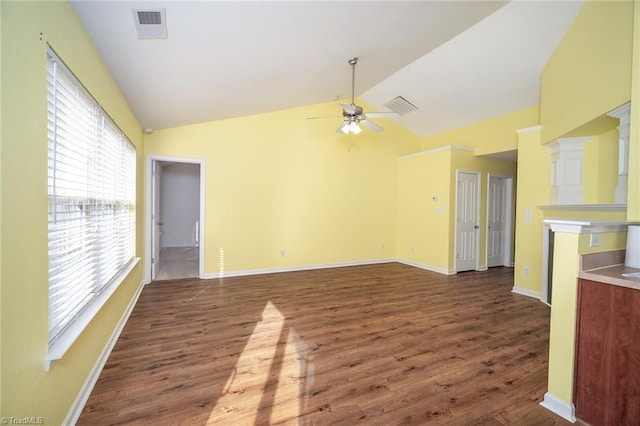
column 150, row 23
column 400, row 105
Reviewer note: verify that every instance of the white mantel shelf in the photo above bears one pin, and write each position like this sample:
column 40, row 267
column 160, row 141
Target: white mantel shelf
column 573, row 226
column 585, row 207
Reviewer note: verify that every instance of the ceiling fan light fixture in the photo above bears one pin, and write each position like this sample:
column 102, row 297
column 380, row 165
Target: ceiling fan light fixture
column 354, row 115
column 349, row 126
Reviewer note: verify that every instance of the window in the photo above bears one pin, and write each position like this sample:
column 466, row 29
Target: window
column 91, row 181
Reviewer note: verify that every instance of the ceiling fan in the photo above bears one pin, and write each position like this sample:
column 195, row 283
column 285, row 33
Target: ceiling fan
column 354, row 115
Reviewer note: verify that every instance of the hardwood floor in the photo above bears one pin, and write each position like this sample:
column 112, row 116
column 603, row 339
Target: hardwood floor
column 384, row 344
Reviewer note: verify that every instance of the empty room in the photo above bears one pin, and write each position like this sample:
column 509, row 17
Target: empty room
column 310, row 212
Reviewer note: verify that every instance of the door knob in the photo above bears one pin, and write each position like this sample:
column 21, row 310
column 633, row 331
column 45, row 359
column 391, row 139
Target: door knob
column 475, row 227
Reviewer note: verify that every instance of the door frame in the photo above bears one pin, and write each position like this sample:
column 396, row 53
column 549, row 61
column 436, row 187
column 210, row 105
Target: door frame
column 149, row 181
column 478, row 204
column 508, row 234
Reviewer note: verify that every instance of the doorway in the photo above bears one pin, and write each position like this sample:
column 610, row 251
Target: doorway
column 499, row 221
column 175, row 213
column 467, row 219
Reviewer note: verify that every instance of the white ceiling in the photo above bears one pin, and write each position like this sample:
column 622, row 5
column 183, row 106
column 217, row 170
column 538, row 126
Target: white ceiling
column 458, row 61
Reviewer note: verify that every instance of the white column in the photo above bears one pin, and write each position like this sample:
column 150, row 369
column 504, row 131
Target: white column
column 623, row 114
column 566, row 170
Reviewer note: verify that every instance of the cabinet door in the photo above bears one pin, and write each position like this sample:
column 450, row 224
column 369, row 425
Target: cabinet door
column 607, row 375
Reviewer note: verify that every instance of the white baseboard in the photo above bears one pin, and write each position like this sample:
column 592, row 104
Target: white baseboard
column 556, row 405
column 526, row 292
column 427, row 267
column 275, row 270
column 482, row 268
column 92, row 378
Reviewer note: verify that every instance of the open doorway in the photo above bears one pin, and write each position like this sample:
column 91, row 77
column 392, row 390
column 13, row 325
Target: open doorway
column 175, row 212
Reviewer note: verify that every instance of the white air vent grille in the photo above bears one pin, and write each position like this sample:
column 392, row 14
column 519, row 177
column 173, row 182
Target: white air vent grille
column 149, row 17
column 400, row 105
column 150, row 23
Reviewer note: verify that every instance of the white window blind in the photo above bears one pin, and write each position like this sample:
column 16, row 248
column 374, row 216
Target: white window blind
column 91, row 181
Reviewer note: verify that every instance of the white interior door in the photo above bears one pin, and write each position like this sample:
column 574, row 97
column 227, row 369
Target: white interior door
column 467, row 218
column 496, row 221
column 156, row 225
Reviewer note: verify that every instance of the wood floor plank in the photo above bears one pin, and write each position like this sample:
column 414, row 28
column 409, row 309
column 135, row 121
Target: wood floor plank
column 378, row 344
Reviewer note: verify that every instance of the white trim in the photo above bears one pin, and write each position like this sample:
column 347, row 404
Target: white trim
column 71, row 334
column 427, row 267
column 148, row 182
column 526, row 292
column 440, row 148
column 529, row 129
column 556, row 405
column 622, row 111
column 76, row 409
column 567, row 159
column 585, row 207
column 482, row 268
column 275, row 270
column 587, row 226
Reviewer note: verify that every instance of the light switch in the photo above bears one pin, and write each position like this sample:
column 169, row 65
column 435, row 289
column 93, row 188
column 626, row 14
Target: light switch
column 527, row 216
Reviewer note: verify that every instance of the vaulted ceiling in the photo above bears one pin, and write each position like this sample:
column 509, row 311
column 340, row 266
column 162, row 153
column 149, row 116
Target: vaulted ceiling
column 457, row 61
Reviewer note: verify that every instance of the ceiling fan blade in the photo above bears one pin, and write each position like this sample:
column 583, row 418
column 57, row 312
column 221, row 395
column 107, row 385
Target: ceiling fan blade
column 371, row 125
column 382, row 115
column 325, row 116
column 349, row 108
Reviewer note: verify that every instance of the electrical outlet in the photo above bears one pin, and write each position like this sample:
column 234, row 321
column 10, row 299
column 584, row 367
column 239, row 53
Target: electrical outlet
column 412, row 249
column 281, row 253
column 525, row 270
column 382, row 247
column 595, row 240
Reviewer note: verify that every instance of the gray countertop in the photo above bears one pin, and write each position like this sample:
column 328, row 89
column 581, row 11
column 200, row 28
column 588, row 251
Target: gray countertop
column 613, row 275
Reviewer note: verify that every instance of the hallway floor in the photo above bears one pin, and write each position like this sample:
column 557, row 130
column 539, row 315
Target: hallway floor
column 178, row 262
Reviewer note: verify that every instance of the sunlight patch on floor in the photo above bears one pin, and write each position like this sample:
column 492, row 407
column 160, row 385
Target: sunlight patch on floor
column 269, row 377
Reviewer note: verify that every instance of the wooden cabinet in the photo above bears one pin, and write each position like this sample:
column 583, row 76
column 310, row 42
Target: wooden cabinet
column 607, row 369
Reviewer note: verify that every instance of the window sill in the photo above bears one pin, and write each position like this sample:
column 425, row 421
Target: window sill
column 69, row 336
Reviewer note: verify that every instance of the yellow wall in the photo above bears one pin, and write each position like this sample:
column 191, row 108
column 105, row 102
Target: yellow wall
column 424, row 223
column 278, row 181
column 607, row 161
column 496, row 134
column 467, row 161
column 426, row 226
column 600, row 175
column 633, row 195
column 568, row 248
column 534, row 170
column 0, row 211
column 563, row 316
column 600, row 165
column 27, row 27
column 589, row 74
